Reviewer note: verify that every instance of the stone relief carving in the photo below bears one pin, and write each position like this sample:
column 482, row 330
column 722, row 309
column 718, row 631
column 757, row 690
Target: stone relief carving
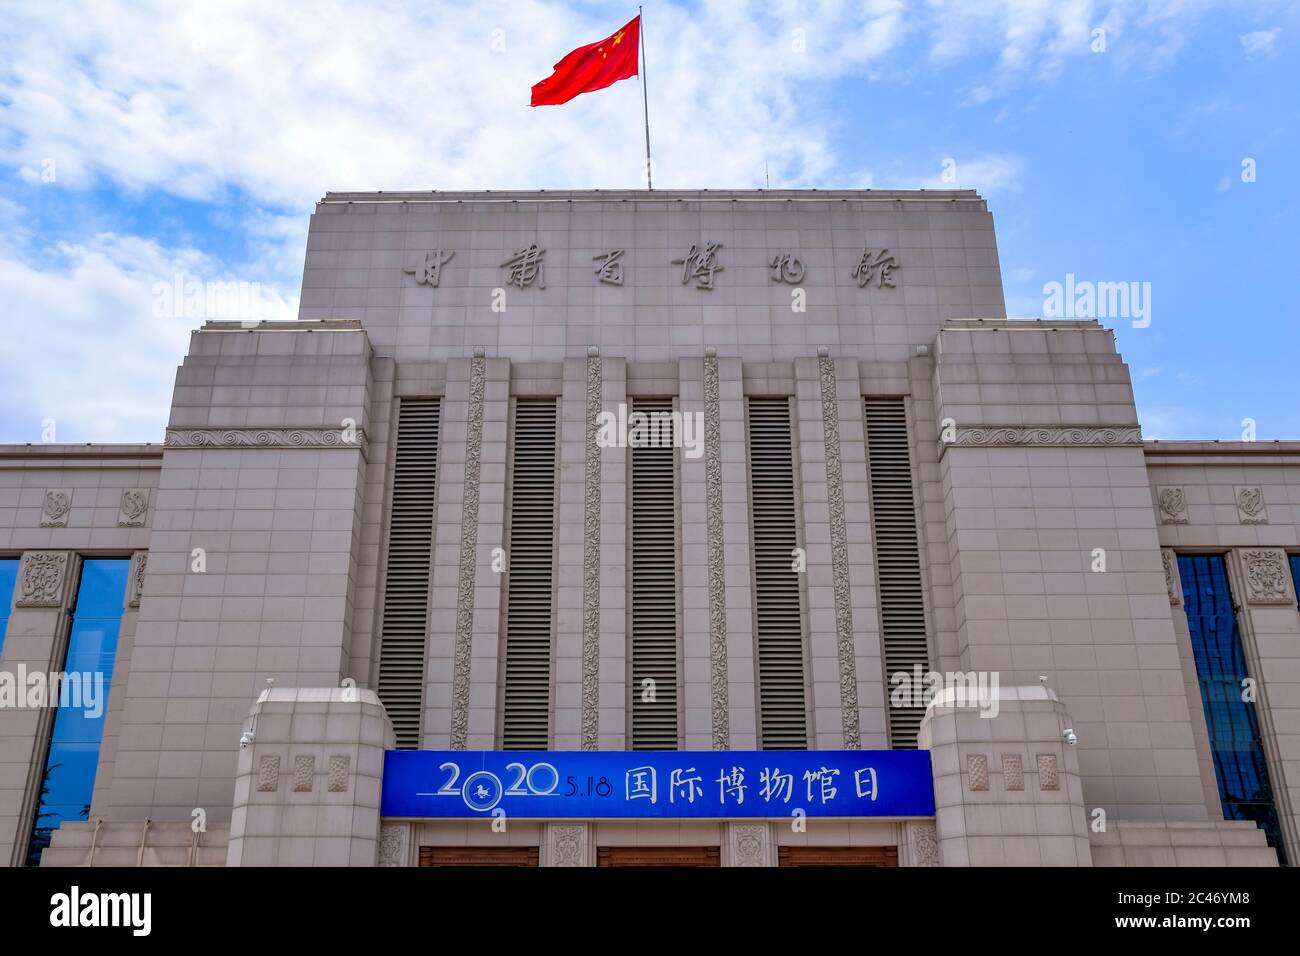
column 879, row 266
column 265, row 438
column 1250, row 505
column 568, row 845
column 610, row 271
column 750, row 844
column 340, row 771
column 428, row 271
column 133, row 508
column 1173, row 505
column 468, row 549
column 591, row 562
column 993, row 435
column 1266, row 574
column 55, row 508
column 394, row 843
column 977, row 771
column 41, row 578
column 1173, row 583
column 304, row 769
column 925, row 844
column 135, row 580
column 840, row 557
column 701, row 264
column 1013, row 771
column 786, row 267
column 717, row 564
column 268, row 773
column 526, row 267
column 1048, row 776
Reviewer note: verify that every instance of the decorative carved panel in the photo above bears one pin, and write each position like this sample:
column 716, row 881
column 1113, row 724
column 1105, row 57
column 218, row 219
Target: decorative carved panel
column 133, row 508
column 42, row 578
column 977, row 771
column 1013, row 771
column 268, row 773
column 1048, row 776
column 304, row 771
column 55, row 508
column 1250, row 505
column 1266, row 573
column 1173, row 505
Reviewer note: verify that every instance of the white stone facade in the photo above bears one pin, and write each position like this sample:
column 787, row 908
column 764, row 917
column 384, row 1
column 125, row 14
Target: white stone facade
column 1026, row 459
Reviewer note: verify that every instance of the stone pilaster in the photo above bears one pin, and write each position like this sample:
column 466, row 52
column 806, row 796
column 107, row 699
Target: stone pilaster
column 34, row 640
column 308, row 786
column 1007, row 787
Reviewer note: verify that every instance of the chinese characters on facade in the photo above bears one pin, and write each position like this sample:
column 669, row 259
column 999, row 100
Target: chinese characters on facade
column 700, row 265
column 819, row 786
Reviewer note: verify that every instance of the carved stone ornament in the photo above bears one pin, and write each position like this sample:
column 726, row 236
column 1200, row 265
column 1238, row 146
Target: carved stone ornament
column 468, row 550
column 304, row 771
column 266, row 438
column 1045, row 436
column 55, row 508
column 1173, row 505
column 133, row 508
column 568, row 845
column 42, row 578
column 340, row 772
column 394, row 844
column 135, row 580
column 925, row 844
column 839, row 558
column 1250, row 505
column 750, row 844
column 268, row 773
column 1048, row 776
column 1013, row 771
column 977, row 771
column 1173, row 583
column 717, row 564
column 1266, row 573
column 591, row 562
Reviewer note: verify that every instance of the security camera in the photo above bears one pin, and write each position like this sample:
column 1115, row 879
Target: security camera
column 245, row 739
column 1070, row 736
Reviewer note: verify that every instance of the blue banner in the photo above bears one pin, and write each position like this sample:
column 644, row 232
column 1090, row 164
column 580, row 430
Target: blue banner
column 701, row 784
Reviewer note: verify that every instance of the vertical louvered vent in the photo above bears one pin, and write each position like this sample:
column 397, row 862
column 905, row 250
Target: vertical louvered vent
column 406, row 584
column 654, row 583
column 782, row 711
column 898, row 559
column 527, row 697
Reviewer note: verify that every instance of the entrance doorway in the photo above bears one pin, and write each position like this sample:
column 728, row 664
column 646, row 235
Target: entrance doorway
column 658, row 856
column 478, row 856
column 837, row 856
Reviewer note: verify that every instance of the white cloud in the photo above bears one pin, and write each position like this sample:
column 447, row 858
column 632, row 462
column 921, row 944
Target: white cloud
column 1260, row 43
column 989, row 173
column 84, row 345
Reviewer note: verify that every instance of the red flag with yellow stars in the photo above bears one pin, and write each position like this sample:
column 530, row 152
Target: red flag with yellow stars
column 592, row 67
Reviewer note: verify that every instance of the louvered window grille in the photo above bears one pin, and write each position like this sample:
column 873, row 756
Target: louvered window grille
column 782, row 702
column 898, row 558
column 531, row 557
column 403, row 636
column 654, row 651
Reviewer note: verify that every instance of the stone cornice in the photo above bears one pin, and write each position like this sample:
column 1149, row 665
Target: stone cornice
column 263, row 438
column 1044, row 436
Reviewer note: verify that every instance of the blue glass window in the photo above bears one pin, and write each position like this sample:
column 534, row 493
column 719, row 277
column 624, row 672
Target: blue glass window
column 1295, row 572
column 8, row 575
column 1239, row 763
column 73, row 757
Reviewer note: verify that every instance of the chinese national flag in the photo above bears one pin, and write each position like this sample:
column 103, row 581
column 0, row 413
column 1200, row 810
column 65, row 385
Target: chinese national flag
column 592, row 67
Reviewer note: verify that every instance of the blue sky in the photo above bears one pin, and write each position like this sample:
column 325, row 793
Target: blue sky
column 144, row 141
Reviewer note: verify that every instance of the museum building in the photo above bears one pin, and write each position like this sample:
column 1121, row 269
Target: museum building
column 611, row 528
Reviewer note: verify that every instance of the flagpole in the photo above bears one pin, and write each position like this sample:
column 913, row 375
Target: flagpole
column 645, row 101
